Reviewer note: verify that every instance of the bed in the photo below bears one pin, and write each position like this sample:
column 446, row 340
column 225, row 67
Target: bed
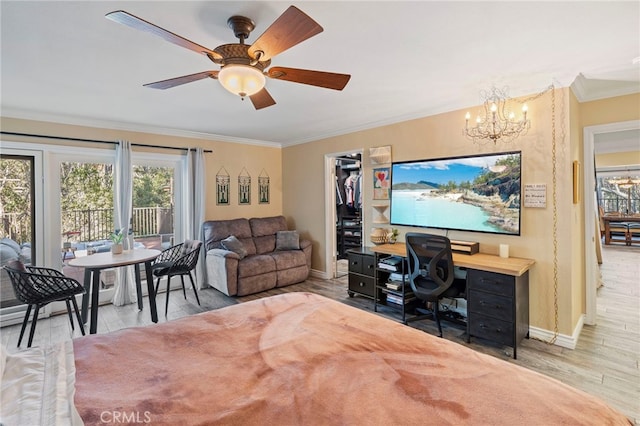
column 300, row 358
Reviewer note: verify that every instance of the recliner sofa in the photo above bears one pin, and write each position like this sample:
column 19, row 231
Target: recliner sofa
column 268, row 262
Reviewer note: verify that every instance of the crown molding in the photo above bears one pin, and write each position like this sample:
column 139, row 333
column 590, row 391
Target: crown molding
column 587, row 90
column 130, row 127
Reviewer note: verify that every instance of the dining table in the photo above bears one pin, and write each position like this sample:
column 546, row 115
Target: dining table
column 618, row 221
column 95, row 263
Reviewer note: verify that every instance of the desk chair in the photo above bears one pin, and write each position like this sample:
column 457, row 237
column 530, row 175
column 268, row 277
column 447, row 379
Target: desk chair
column 37, row 287
column 180, row 260
column 430, row 272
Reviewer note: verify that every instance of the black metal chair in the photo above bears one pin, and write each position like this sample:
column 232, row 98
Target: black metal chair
column 430, row 262
column 37, row 287
column 180, row 260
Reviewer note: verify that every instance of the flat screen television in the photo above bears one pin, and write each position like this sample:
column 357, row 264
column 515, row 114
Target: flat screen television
column 479, row 193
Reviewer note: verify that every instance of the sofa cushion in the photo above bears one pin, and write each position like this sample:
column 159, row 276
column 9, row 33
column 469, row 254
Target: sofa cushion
column 261, row 226
column 289, row 259
column 217, row 230
column 265, row 244
column 256, row 265
column 256, row 284
column 233, row 244
column 292, row 276
column 287, row 240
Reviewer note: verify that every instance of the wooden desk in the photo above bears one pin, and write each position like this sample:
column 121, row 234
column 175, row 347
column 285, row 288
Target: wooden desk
column 95, row 263
column 610, row 225
column 514, row 266
column 497, row 294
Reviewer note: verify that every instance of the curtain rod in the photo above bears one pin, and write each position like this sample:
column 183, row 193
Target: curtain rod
column 95, row 141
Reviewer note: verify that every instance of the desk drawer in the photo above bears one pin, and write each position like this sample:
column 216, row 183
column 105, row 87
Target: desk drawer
column 492, row 305
column 491, row 329
column 361, row 284
column 489, row 281
column 355, row 263
column 368, row 265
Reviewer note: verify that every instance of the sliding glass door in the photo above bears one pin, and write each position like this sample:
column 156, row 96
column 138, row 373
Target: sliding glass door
column 21, row 220
column 86, row 214
column 153, row 204
column 75, row 189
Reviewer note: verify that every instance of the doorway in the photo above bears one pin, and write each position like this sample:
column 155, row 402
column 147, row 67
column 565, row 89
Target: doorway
column 591, row 135
column 343, row 211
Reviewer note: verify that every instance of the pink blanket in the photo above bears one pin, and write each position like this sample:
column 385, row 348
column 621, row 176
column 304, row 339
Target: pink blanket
column 300, row 358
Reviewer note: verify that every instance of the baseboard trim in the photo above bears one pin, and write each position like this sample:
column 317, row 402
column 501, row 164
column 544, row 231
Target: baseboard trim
column 562, row 340
column 319, row 274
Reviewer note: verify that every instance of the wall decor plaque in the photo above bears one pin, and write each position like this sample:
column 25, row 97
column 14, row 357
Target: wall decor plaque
column 244, row 187
column 263, row 187
column 222, row 187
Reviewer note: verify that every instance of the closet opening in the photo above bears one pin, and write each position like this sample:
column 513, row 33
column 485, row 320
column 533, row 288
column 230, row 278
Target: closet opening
column 348, row 218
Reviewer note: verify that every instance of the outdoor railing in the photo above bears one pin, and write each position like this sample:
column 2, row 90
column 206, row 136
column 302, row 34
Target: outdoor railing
column 619, row 204
column 94, row 224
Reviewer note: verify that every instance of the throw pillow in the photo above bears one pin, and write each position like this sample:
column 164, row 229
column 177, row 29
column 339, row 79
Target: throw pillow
column 233, row 244
column 12, row 244
column 287, row 240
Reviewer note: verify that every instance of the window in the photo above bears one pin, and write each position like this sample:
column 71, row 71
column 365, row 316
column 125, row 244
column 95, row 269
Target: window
column 616, row 198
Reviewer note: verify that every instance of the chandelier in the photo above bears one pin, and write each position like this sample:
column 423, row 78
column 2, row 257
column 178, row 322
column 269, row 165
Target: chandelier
column 496, row 120
column 625, row 183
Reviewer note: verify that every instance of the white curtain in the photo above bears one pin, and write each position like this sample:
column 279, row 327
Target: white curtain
column 122, row 206
column 194, row 212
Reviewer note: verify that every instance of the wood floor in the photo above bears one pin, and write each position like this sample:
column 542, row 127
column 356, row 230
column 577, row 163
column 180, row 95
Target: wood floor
column 605, row 363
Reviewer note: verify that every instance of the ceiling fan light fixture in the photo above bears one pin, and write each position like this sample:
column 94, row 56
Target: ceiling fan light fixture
column 241, row 80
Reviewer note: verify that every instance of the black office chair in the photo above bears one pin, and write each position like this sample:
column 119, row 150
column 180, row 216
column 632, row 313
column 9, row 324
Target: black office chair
column 431, row 273
column 180, row 260
column 37, row 287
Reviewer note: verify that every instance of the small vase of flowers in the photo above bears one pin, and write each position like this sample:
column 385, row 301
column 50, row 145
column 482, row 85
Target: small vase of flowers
column 116, row 239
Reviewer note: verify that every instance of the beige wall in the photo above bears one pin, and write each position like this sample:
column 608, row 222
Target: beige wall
column 610, row 110
column 612, row 159
column 232, row 156
column 440, row 136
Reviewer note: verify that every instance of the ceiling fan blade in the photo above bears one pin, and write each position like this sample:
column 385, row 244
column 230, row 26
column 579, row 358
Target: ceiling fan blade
column 262, row 99
column 125, row 18
column 173, row 82
column 328, row 80
column 291, row 28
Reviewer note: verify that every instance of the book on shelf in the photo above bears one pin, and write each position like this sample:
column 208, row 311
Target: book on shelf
column 399, row 300
column 387, row 267
column 391, row 263
column 394, row 285
column 396, row 276
column 394, row 292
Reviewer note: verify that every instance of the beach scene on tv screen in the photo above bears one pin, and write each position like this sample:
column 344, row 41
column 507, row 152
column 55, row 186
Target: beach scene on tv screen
column 479, row 193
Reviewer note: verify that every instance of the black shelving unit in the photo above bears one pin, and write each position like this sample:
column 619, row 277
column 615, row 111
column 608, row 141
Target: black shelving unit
column 404, row 301
column 349, row 235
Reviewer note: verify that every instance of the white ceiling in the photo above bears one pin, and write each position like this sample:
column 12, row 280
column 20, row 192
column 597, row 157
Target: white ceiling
column 63, row 61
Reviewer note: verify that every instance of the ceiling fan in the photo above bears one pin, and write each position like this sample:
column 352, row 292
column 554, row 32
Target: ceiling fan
column 243, row 66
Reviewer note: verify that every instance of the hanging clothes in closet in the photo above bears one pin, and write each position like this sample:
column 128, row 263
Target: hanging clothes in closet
column 353, row 190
